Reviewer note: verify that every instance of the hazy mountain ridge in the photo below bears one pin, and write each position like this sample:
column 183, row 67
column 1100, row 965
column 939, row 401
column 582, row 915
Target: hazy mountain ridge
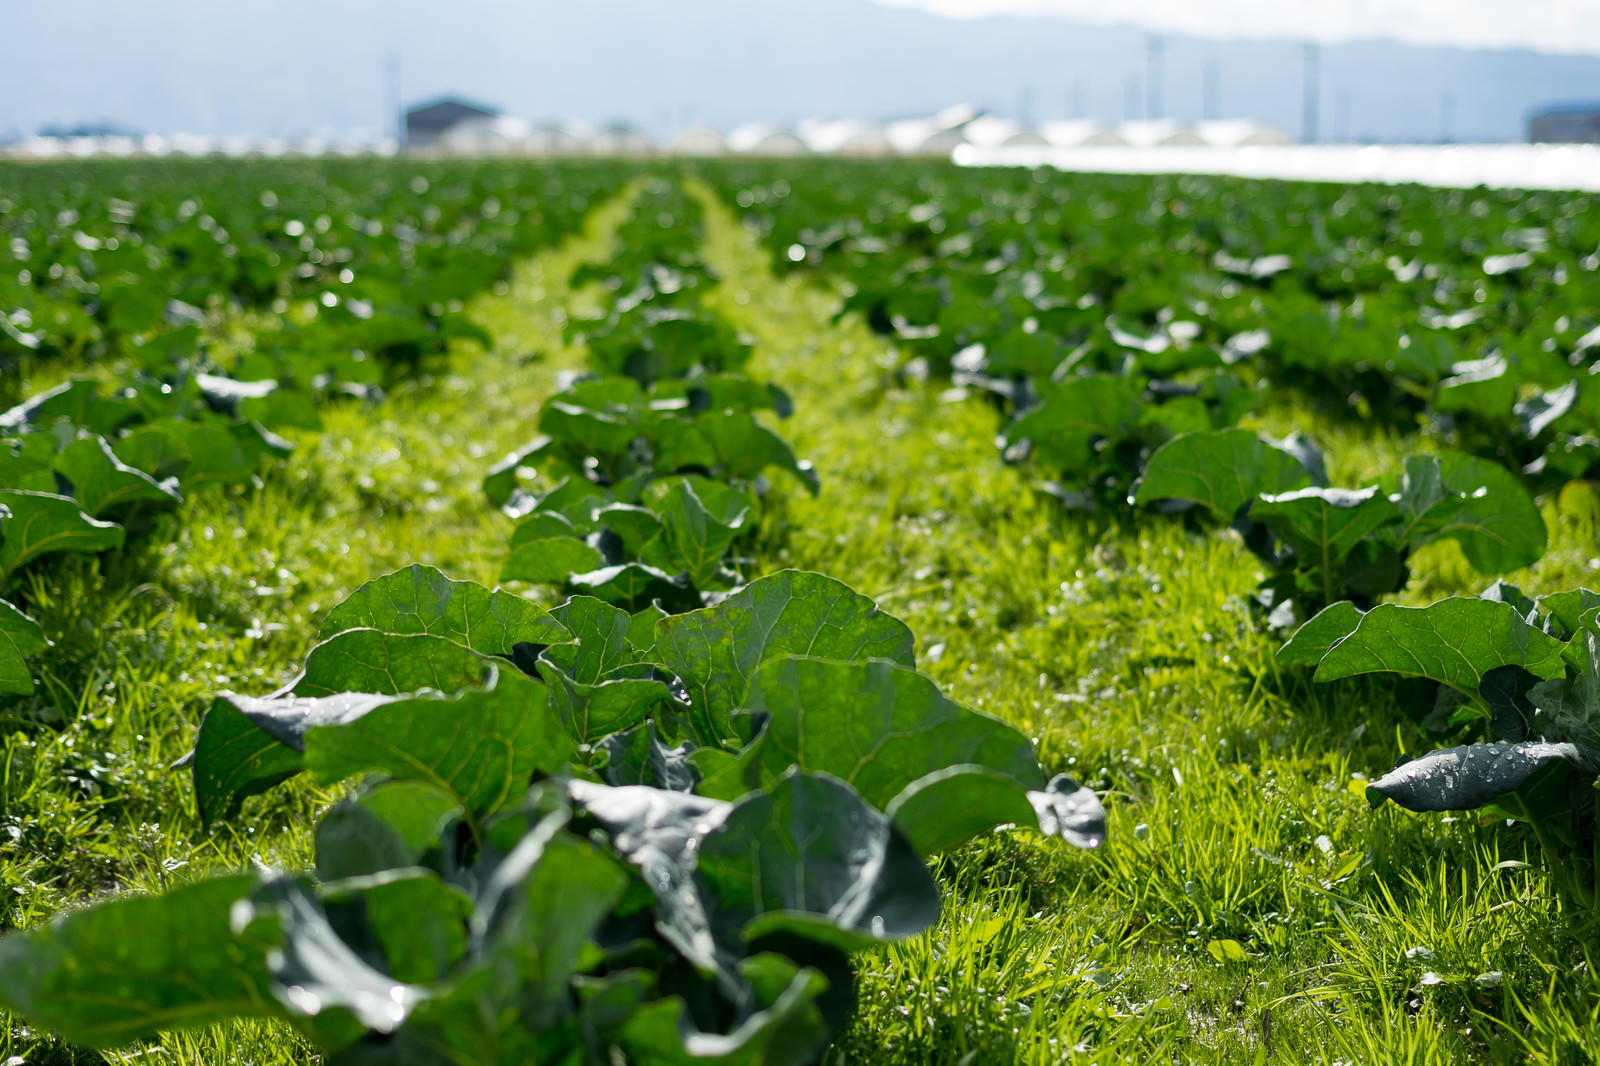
column 319, row 66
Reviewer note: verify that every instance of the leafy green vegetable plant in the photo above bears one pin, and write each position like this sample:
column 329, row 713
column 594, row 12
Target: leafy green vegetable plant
column 1326, row 544
column 1524, row 674
column 573, row 838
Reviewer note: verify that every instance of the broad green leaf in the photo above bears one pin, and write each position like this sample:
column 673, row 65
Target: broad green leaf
column 619, row 700
column 633, row 525
column 332, row 991
column 19, row 636
column 1568, row 708
column 733, row 444
column 877, row 726
column 124, row 970
column 1455, row 642
column 790, row 1031
column 598, row 641
column 155, row 449
column 1064, row 427
column 501, row 481
column 1479, row 504
column 72, row 400
column 481, row 745
column 1222, row 469
column 215, row 455
column 810, row 857
column 658, row 832
column 582, row 432
column 1324, row 525
column 415, row 919
column 100, row 481
column 1565, row 611
column 642, row 628
column 691, row 540
column 421, row 599
column 716, row 650
column 946, row 808
column 247, row 745
column 1469, row 777
column 537, row 911
column 550, row 560
column 632, row 586
column 369, row 660
column 1325, row 629
column 37, row 523
column 639, row 757
column 389, row 826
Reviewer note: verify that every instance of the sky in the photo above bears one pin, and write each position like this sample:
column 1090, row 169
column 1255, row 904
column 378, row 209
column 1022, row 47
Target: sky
column 296, row 68
column 1564, row 26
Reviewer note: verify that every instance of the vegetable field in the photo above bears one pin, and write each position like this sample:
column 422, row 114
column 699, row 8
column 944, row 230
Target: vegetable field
column 776, row 613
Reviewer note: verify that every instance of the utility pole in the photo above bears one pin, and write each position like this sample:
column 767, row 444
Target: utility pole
column 392, row 106
column 1212, row 93
column 1152, row 100
column 1313, row 100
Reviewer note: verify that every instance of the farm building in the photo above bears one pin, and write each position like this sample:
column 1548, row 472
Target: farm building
column 1565, row 124
column 1240, row 133
column 700, row 142
column 1081, row 133
column 761, row 139
column 426, row 125
column 619, row 140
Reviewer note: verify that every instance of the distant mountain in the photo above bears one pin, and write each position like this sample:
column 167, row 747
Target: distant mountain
column 318, row 65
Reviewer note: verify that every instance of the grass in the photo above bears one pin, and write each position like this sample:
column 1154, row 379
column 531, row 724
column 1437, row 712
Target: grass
column 1248, row 906
column 226, row 595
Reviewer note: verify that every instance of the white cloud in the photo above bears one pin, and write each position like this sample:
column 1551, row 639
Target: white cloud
column 1565, row 26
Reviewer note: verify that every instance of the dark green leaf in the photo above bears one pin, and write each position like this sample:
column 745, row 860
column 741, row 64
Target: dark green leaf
column 421, row 599
column 691, row 540
column 130, row 968
column 369, row 660
column 37, row 523
column 19, row 636
column 876, row 725
column 949, row 807
column 1479, row 504
column 100, row 481
column 1221, row 469
column 1325, row 629
column 631, row 585
column 248, row 745
column 1455, row 642
column 810, row 857
column 793, row 612
column 481, row 745
column 550, row 561
column 388, row 827
column 1324, row 525
column 1469, row 777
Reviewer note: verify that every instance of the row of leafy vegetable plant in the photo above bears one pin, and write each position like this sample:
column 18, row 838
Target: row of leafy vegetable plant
column 348, row 267
column 649, row 824
column 1127, row 355
column 1107, row 314
column 100, row 458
